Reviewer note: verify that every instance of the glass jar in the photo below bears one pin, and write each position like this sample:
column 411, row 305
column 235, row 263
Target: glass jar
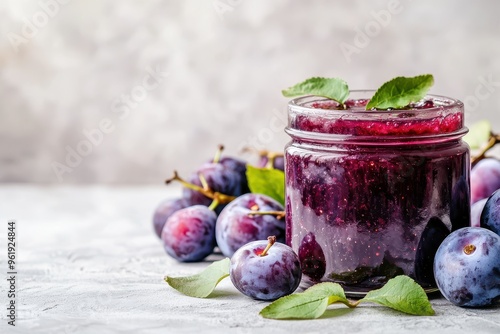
column 372, row 194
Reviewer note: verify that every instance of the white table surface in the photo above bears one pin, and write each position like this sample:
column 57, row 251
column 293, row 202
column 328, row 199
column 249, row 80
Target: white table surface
column 89, row 262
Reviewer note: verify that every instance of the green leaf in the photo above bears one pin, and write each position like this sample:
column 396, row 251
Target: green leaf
column 479, row 134
column 310, row 304
column 201, row 285
column 332, row 88
column 400, row 293
column 400, row 92
column 403, row 294
column 270, row 182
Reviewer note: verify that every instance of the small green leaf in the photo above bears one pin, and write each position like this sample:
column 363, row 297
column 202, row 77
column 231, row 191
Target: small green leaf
column 270, row 182
column 201, row 285
column 403, row 294
column 310, row 304
column 400, row 92
column 332, row 88
column 478, row 134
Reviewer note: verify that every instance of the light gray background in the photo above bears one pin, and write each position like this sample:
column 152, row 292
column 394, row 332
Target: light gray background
column 223, row 63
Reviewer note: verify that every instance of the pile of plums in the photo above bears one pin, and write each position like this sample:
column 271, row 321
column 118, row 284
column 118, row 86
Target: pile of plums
column 217, row 209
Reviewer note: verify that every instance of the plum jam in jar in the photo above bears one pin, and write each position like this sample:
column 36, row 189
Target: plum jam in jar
column 371, row 194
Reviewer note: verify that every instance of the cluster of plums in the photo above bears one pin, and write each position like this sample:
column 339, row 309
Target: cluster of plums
column 467, row 263
column 217, row 210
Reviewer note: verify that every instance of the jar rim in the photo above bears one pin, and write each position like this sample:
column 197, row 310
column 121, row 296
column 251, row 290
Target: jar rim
column 444, row 103
column 306, row 119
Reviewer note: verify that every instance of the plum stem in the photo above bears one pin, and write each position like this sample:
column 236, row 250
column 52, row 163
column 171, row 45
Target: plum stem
column 218, row 154
column 270, row 155
column 203, row 182
column 214, row 204
column 272, row 240
column 351, row 304
column 216, row 196
column 186, row 184
column 469, row 249
column 278, row 214
column 494, row 139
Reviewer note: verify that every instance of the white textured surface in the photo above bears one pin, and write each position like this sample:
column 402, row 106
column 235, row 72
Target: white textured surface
column 89, row 262
column 227, row 61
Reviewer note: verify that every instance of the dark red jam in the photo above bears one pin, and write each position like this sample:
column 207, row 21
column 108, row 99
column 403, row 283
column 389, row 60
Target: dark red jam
column 371, row 194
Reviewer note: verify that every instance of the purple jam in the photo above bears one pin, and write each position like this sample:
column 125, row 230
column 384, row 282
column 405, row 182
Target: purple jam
column 371, row 194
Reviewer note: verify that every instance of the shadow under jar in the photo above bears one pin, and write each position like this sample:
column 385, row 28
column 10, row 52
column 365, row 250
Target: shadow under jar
column 372, row 194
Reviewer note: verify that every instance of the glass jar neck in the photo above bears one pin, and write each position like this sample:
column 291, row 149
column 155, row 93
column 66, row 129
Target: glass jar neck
column 315, row 138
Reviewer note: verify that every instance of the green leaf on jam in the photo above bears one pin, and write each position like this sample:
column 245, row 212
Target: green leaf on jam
column 479, row 133
column 400, row 92
column 201, row 285
column 403, row 294
column 310, row 304
column 332, row 88
column 266, row 181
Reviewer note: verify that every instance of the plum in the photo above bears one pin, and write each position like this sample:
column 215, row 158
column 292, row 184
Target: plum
column 431, row 238
column 475, row 212
column 460, row 204
column 218, row 179
column 236, row 165
column 490, row 216
column 226, row 175
column 237, row 226
column 312, row 258
column 467, row 267
column 265, row 270
column 484, row 179
column 189, row 234
column 271, row 160
column 164, row 210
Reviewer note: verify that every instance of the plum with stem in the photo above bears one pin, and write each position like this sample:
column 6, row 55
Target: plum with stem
column 265, row 270
column 249, row 217
column 223, row 174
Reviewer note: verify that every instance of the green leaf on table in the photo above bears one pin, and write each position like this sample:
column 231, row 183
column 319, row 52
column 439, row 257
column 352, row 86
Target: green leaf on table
column 403, row 294
column 400, row 293
column 310, row 304
column 332, row 88
column 201, row 285
column 270, row 182
column 400, row 92
column 479, row 133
